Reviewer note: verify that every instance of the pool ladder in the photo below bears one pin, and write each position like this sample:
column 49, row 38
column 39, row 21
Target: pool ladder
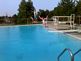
column 70, row 52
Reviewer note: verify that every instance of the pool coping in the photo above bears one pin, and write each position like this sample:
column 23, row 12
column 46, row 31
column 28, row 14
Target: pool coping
column 66, row 32
column 62, row 31
column 20, row 25
column 74, row 36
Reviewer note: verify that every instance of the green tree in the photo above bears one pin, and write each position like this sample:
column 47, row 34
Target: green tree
column 65, row 7
column 43, row 13
column 30, row 9
column 78, row 8
column 14, row 19
column 22, row 9
column 58, row 11
column 51, row 14
column 25, row 11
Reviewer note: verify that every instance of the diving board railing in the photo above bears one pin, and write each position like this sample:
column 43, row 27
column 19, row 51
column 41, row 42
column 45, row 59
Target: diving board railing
column 70, row 52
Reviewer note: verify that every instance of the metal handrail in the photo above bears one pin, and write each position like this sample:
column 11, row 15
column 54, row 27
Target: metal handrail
column 70, row 52
column 77, row 52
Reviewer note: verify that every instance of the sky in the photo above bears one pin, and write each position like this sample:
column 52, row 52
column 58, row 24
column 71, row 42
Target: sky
column 10, row 7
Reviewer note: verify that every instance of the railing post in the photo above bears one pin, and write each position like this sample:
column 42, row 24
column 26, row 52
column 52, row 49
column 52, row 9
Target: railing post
column 72, row 58
column 70, row 52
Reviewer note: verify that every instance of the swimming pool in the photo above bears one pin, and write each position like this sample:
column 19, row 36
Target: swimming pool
column 35, row 43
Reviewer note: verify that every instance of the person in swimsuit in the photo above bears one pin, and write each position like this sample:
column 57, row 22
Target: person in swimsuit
column 44, row 21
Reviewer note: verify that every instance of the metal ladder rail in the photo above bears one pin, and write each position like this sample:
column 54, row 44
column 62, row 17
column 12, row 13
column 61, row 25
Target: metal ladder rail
column 70, row 52
column 77, row 52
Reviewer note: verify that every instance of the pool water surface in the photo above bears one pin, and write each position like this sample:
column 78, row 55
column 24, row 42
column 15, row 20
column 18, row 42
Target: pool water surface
column 35, row 43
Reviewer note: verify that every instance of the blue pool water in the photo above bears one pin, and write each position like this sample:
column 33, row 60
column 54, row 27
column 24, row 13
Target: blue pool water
column 35, row 43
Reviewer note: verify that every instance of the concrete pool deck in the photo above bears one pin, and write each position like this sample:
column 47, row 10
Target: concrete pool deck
column 72, row 33
column 64, row 29
column 75, row 35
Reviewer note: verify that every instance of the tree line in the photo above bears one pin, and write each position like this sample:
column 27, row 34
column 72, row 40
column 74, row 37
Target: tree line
column 64, row 8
